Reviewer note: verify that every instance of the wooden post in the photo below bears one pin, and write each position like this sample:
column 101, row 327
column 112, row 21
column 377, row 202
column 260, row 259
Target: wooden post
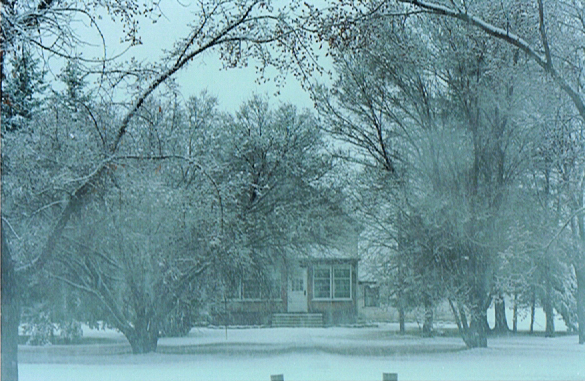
column 277, row 377
column 389, row 376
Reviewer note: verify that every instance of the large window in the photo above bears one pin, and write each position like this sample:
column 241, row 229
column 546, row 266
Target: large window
column 248, row 287
column 332, row 282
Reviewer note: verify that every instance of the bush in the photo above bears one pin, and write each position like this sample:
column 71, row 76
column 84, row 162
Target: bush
column 71, row 332
column 40, row 329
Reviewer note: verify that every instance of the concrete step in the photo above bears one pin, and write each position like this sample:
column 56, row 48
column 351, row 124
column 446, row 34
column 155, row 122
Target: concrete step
column 297, row 320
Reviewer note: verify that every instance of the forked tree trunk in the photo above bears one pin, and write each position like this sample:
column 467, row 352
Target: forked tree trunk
column 10, row 315
column 474, row 335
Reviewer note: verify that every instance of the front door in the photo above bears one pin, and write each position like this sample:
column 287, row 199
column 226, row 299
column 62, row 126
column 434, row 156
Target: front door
column 297, row 291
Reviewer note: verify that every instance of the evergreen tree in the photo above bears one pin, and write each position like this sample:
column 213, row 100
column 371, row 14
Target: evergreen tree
column 74, row 94
column 21, row 90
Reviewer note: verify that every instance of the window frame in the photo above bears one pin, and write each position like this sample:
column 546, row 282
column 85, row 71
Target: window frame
column 240, row 291
column 332, row 268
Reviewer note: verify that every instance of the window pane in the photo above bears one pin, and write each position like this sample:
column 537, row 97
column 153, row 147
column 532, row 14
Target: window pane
column 251, row 289
column 233, row 289
column 342, row 282
column 298, row 284
column 322, row 282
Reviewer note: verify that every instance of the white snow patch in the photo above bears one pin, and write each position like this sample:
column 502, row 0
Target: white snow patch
column 314, row 354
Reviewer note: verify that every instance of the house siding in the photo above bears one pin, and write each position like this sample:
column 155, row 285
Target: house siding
column 248, row 312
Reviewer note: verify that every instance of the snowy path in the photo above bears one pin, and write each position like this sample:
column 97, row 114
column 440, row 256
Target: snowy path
column 310, row 354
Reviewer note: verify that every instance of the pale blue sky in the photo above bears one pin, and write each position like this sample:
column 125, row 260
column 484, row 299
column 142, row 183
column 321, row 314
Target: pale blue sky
column 232, row 87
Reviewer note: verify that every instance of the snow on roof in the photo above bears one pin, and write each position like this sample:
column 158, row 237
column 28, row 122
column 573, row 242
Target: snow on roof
column 317, row 252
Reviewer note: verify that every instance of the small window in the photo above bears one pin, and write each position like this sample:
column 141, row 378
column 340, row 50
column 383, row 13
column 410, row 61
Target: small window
column 298, row 284
column 371, row 296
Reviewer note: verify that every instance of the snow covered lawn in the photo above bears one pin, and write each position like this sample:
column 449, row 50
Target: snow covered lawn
column 307, row 354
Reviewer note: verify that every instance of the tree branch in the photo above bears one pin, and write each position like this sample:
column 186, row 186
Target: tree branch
column 512, row 39
column 218, row 39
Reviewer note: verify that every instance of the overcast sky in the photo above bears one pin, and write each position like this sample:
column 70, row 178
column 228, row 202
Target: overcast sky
column 232, row 87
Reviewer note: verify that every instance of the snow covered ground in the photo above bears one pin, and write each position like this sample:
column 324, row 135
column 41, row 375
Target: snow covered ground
column 307, row 354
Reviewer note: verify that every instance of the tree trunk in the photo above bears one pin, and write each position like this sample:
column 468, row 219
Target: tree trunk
column 532, row 310
column 402, row 320
column 460, row 319
column 10, row 315
column 515, row 315
column 550, row 322
column 501, row 325
column 143, row 340
column 548, row 308
column 463, row 319
column 580, row 272
column 427, row 330
column 476, row 336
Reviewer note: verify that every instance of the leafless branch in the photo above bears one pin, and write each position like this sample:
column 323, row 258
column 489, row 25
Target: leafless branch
column 510, row 38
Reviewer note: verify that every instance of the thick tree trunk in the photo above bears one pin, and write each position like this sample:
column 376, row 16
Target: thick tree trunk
column 501, row 325
column 143, row 340
column 580, row 272
column 10, row 315
column 477, row 333
column 144, row 336
column 476, row 336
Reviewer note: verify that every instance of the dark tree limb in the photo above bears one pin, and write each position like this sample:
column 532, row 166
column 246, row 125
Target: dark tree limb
column 545, row 62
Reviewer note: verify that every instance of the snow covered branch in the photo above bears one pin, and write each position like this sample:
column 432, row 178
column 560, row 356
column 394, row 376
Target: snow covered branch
column 544, row 62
